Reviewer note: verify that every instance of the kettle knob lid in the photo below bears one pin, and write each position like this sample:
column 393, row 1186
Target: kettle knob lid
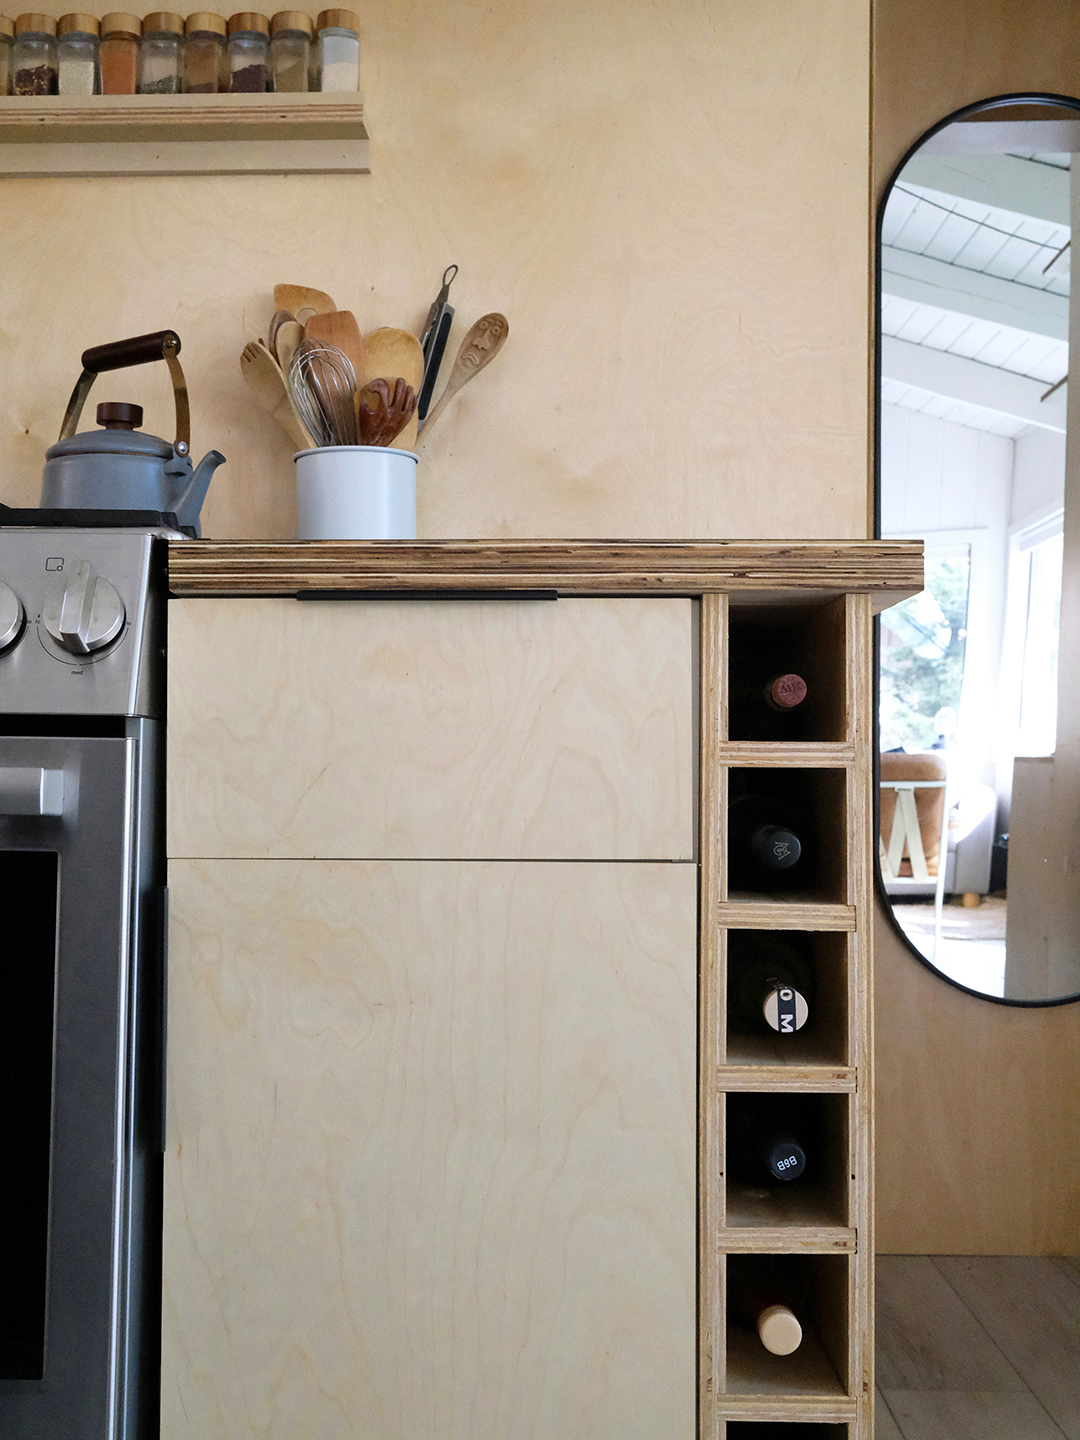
column 115, row 415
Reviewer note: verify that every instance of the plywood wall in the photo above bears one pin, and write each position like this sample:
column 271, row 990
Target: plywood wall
column 667, row 200
column 977, row 1103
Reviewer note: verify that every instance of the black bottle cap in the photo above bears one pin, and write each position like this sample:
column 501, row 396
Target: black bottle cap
column 776, row 847
column 785, row 1158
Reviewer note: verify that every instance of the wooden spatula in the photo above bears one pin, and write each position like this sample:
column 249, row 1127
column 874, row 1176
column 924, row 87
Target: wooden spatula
column 339, row 328
column 383, row 409
column 390, row 355
column 267, row 384
column 298, row 298
column 480, row 346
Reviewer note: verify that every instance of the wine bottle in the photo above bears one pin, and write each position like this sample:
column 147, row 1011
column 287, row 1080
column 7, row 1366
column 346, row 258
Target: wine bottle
column 764, row 704
column 770, row 985
column 764, row 848
column 764, row 1143
column 768, row 1298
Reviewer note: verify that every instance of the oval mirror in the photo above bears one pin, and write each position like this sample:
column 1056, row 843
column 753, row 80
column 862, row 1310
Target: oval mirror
column 978, row 721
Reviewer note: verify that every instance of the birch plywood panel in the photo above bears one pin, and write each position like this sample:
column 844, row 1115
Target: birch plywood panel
column 431, row 1157
column 683, row 200
column 426, row 730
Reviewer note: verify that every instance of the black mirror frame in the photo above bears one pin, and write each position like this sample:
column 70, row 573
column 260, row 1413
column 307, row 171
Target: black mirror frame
column 995, row 103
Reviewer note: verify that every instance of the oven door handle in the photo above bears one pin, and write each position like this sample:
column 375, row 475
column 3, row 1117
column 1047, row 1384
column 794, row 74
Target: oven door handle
column 31, row 790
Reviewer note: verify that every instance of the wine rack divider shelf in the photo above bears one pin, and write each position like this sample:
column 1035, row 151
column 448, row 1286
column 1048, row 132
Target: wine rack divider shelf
column 829, row 591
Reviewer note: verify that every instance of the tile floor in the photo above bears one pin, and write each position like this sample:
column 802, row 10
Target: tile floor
column 978, row 1347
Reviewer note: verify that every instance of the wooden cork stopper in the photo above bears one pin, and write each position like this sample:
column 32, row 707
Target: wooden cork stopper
column 338, row 20
column 31, row 24
column 118, row 22
column 249, row 20
column 290, row 20
column 78, row 25
column 163, row 22
column 206, row 20
column 786, row 691
column 7, row 27
column 780, row 1331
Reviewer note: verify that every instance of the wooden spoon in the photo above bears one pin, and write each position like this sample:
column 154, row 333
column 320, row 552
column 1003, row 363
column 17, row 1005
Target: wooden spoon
column 267, row 384
column 295, row 298
column 479, row 348
column 289, row 336
column 339, row 328
column 279, row 318
column 388, row 355
column 383, row 410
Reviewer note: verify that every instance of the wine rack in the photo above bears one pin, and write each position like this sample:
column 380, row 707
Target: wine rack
column 819, row 764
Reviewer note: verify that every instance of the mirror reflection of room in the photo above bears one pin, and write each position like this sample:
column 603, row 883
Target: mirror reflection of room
column 980, row 753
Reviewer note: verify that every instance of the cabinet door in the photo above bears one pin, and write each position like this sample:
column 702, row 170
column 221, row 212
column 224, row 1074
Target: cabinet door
column 431, row 730
column 431, row 1170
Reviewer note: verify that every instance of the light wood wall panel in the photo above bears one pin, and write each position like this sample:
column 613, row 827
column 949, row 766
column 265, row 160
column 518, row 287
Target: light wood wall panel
column 431, row 1165
column 667, row 202
column 976, row 1103
column 432, row 729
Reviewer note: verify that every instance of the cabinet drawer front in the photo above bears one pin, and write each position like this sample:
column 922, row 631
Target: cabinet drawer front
column 431, row 1163
column 431, row 730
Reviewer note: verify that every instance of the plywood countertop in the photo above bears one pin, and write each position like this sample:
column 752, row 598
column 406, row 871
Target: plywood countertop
column 751, row 570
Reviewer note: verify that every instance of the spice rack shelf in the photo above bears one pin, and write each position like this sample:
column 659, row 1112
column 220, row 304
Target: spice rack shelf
column 315, row 133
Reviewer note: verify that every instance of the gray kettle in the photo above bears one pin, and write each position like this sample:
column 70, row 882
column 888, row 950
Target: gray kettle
column 118, row 468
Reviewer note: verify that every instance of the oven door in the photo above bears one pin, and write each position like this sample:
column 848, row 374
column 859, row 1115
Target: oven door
column 79, row 1068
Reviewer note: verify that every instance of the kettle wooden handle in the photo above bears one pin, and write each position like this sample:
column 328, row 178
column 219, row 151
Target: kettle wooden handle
column 121, row 355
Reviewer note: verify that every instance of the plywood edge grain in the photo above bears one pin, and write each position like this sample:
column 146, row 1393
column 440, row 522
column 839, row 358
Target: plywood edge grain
column 797, row 1078
column 789, row 1409
column 813, row 569
column 789, row 1240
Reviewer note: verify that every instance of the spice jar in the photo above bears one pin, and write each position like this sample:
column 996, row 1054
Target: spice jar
column 206, row 58
column 121, row 36
column 339, row 50
column 77, row 55
column 33, row 57
column 290, row 50
column 249, row 53
column 161, row 63
column 7, row 39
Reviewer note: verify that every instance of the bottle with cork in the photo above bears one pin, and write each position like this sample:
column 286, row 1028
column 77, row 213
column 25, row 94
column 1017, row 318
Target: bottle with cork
column 290, row 51
column 249, row 53
column 77, row 55
column 7, row 40
column 161, row 62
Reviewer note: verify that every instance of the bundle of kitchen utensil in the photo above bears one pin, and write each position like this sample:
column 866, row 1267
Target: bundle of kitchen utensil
column 326, row 384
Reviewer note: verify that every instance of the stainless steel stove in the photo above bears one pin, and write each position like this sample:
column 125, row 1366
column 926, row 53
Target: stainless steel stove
column 82, row 636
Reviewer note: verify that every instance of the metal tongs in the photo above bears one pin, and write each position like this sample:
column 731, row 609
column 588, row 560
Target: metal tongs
column 433, row 341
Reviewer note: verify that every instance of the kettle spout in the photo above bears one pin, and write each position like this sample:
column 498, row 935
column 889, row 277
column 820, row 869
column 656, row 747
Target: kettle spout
column 188, row 502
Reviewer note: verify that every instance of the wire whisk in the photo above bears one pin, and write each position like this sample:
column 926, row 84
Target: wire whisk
column 322, row 384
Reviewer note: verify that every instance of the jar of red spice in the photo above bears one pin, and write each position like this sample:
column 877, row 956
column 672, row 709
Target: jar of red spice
column 121, row 36
column 33, row 60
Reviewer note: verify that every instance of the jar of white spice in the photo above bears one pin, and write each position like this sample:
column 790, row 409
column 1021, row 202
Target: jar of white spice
column 7, row 39
column 290, row 51
column 77, row 55
column 339, row 50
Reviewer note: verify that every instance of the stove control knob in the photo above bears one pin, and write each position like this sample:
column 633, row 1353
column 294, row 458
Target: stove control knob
column 84, row 612
column 11, row 616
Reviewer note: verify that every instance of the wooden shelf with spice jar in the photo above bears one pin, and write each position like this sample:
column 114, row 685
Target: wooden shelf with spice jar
column 49, row 135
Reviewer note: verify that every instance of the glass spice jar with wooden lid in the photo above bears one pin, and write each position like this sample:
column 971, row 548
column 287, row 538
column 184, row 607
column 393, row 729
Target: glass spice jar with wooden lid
column 339, row 50
column 121, row 36
column 161, row 63
column 290, row 51
column 7, row 40
column 77, row 59
column 33, row 56
column 206, row 55
column 249, row 53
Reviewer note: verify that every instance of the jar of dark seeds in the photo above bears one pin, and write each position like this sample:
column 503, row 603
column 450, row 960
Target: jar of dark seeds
column 161, row 63
column 290, row 50
column 249, row 53
column 7, row 39
column 33, row 58
column 206, row 56
column 77, row 55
